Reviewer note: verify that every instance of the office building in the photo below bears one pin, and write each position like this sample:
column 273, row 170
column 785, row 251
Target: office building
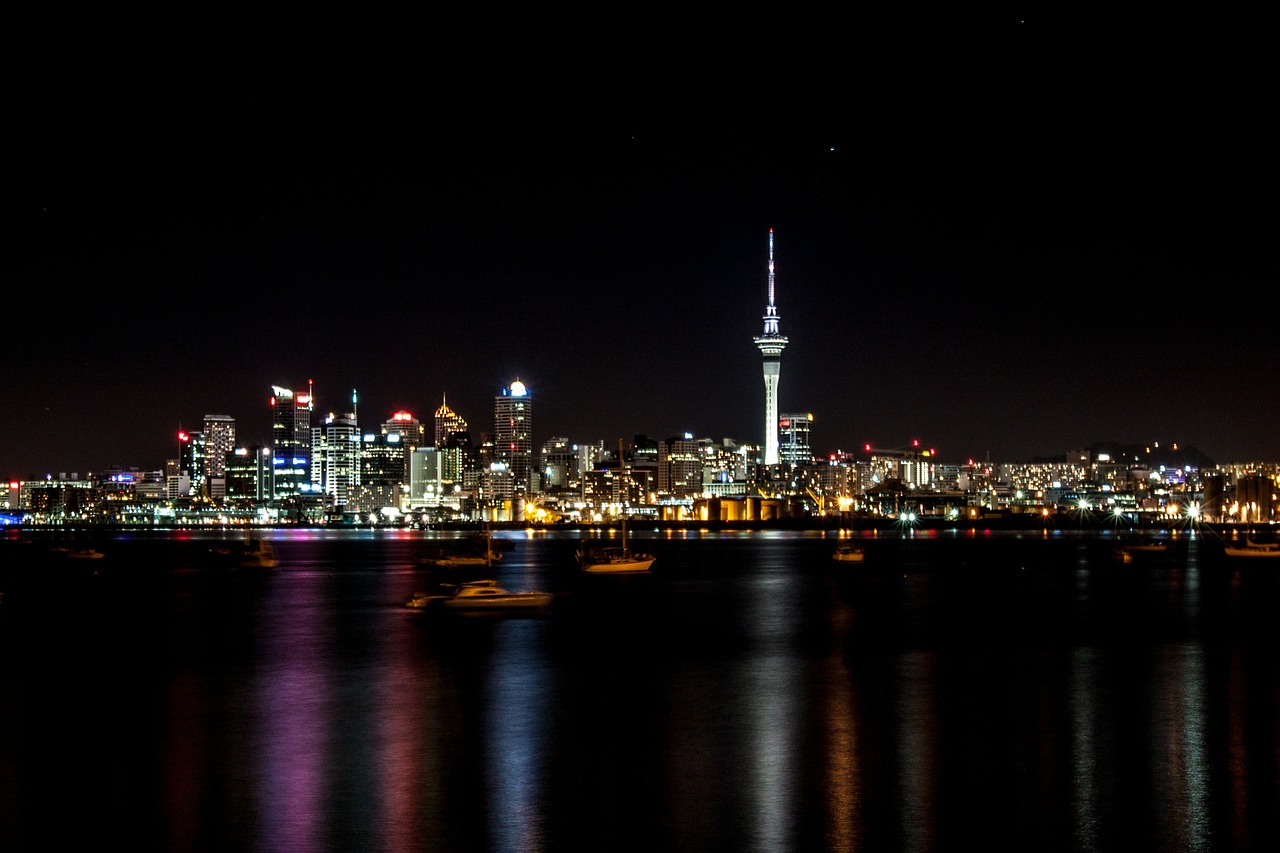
column 290, row 442
column 219, row 440
column 793, row 439
column 335, row 454
column 513, row 435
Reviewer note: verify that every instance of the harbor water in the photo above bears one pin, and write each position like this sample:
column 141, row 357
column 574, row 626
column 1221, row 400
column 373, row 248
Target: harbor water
column 967, row 689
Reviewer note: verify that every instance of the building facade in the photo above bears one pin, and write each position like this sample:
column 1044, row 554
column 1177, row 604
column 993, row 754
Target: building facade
column 290, row 442
column 335, row 454
column 793, row 438
column 513, row 435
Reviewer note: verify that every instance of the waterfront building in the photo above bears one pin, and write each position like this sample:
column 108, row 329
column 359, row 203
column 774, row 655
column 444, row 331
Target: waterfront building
column 771, row 344
column 290, row 442
column 513, row 435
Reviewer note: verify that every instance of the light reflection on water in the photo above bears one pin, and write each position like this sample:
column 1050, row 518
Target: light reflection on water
column 744, row 697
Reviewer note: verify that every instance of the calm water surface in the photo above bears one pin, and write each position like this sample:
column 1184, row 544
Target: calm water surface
column 958, row 690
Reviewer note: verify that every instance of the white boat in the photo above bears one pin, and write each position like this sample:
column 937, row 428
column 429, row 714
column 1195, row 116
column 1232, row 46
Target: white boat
column 846, row 552
column 618, row 559
column 1254, row 550
column 486, row 596
column 1251, row 549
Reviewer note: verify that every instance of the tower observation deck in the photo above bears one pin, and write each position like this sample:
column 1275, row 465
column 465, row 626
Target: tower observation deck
column 771, row 344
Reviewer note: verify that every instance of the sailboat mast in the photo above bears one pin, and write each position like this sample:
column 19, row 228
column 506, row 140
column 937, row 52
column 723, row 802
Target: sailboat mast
column 626, row 550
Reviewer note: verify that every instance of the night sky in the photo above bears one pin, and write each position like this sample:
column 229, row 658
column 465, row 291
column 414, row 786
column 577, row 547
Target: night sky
column 1004, row 259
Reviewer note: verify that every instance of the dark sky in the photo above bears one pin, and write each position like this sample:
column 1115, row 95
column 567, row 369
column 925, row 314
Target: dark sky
column 1009, row 256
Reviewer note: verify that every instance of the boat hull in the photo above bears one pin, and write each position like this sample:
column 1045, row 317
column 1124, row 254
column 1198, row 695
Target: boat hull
column 516, row 601
column 619, row 566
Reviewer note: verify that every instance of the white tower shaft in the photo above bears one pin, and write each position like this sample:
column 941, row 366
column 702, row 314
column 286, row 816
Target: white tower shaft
column 771, row 344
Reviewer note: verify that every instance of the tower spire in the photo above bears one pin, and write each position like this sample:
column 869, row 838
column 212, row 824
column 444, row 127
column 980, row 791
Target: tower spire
column 771, row 344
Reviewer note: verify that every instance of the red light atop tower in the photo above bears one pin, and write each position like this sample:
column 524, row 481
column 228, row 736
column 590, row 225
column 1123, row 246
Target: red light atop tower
column 867, row 448
column 402, row 416
column 915, row 442
column 182, row 436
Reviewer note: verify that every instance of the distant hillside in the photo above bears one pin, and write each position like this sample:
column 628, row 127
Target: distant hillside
column 1141, row 454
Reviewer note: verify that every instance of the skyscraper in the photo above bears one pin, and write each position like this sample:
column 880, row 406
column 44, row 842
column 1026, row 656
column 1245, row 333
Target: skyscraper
column 219, row 440
column 793, row 438
column 513, row 433
column 771, row 344
column 290, row 442
column 335, row 459
column 447, row 422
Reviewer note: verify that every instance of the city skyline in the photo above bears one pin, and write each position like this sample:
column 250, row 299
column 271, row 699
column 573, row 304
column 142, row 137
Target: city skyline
column 1081, row 254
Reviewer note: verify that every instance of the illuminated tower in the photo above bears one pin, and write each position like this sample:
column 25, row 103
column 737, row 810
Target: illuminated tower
column 771, row 344
column 513, row 433
column 451, row 430
column 447, row 422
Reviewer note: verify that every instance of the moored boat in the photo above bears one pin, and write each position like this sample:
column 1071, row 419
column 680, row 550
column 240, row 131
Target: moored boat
column 619, row 559
column 480, row 596
column 1254, row 550
column 847, row 552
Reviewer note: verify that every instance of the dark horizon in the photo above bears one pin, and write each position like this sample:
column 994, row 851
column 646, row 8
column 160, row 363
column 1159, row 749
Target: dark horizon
column 1014, row 266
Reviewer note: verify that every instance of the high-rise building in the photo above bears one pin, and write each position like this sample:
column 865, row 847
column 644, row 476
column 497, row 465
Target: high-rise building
column 219, row 440
column 513, row 434
column 680, row 471
column 412, row 432
column 793, row 439
column 248, row 474
column 447, row 422
column 771, row 344
column 335, row 458
column 190, row 463
column 290, row 442
column 452, row 440
column 383, row 472
column 558, row 464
